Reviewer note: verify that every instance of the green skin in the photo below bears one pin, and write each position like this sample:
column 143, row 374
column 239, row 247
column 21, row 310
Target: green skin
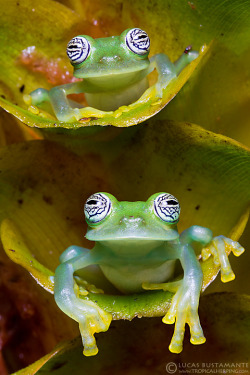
column 113, row 75
column 137, row 250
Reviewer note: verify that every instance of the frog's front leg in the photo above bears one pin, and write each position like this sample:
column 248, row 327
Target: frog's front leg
column 186, row 58
column 62, row 105
column 184, row 306
column 57, row 96
column 168, row 70
column 65, row 109
column 37, row 97
column 89, row 315
column 196, row 233
column 217, row 248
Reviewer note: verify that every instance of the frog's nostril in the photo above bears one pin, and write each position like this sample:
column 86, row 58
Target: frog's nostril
column 132, row 220
column 109, row 59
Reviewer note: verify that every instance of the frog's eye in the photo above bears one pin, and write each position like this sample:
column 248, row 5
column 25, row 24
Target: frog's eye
column 138, row 41
column 97, row 207
column 78, row 50
column 167, row 208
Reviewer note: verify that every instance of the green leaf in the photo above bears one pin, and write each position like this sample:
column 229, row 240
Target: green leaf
column 140, row 346
column 216, row 97
column 46, row 207
column 148, row 105
column 146, row 304
column 28, row 51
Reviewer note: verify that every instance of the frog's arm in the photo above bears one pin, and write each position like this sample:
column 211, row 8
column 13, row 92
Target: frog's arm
column 214, row 246
column 57, row 96
column 193, row 234
column 90, row 316
column 184, row 306
column 168, row 70
column 186, row 58
column 65, row 109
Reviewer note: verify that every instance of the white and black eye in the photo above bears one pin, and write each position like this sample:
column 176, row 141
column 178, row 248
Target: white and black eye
column 78, row 50
column 97, row 207
column 167, row 208
column 138, row 41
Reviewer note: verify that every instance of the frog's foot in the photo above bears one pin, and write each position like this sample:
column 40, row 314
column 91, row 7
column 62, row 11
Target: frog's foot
column 84, row 287
column 79, row 114
column 172, row 70
column 186, row 58
column 88, row 314
column 191, row 54
column 88, row 112
column 65, row 110
column 170, row 287
column 33, row 104
column 96, row 320
column 91, row 318
column 217, row 249
column 36, row 97
column 184, row 309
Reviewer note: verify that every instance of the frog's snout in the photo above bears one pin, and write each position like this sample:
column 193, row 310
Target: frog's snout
column 110, row 59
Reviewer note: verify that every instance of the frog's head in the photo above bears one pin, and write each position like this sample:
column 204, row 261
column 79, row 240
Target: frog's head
column 110, row 220
column 124, row 54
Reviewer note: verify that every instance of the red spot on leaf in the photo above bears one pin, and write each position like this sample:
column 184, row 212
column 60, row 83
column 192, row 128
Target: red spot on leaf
column 54, row 70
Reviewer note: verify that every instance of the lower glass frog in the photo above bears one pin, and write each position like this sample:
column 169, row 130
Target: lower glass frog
column 114, row 72
column 136, row 246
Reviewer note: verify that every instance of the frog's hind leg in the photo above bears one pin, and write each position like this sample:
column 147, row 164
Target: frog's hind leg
column 171, row 286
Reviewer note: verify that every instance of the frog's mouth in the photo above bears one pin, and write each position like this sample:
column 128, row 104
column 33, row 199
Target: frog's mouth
column 103, row 70
column 127, row 236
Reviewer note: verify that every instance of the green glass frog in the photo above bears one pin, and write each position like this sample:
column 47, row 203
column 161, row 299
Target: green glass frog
column 114, row 72
column 136, row 247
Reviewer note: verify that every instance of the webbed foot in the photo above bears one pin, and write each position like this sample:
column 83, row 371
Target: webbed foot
column 93, row 321
column 171, row 286
column 217, row 248
column 184, row 309
column 91, row 318
column 36, row 97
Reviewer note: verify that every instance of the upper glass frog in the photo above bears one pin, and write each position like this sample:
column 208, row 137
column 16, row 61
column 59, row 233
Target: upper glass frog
column 136, row 246
column 114, row 72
